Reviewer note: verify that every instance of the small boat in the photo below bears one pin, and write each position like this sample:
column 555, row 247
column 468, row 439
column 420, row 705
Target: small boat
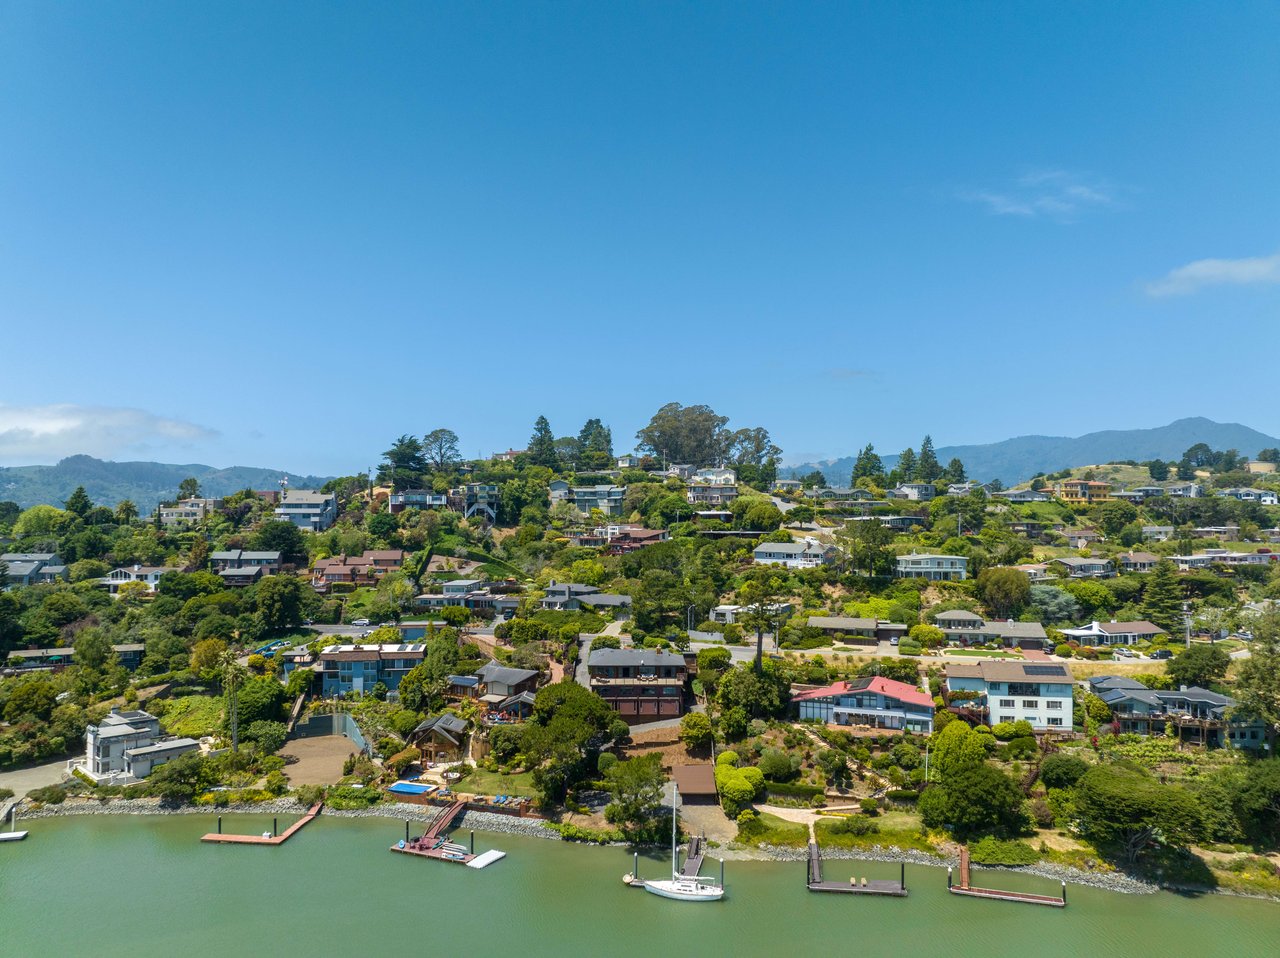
column 682, row 887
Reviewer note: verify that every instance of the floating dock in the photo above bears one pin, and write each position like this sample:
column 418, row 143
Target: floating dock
column 433, row 844
column 889, row 889
column 695, row 854
column 972, row 891
column 275, row 838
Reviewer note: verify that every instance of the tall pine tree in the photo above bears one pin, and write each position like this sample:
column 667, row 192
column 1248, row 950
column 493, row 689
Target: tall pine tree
column 868, row 465
column 905, row 470
column 1162, row 597
column 927, row 468
column 542, row 445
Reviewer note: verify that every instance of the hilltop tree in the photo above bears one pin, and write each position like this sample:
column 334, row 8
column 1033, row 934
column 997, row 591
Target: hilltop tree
column 542, row 445
column 954, row 471
column 758, row 596
column 440, row 450
column 1162, row 597
column 927, row 468
column 126, row 511
column 1158, row 470
column 868, row 465
column 813, row 480
column 595, row 437
column 189, row 488
column 752, row 447
column 1006, row 592
column 906, row 467
column 685, row 434
column 280, row 535
column 402, row 464
column 867, row 544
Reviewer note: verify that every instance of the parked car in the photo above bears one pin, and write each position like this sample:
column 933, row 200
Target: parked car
column 1161, row 654
column 360, row 622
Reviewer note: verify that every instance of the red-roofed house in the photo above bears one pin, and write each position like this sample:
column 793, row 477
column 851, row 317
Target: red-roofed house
column 871, row 701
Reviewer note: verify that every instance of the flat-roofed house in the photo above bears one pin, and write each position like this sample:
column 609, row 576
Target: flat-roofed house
column 642, row 684
column 935, row 568
column 1011, row 691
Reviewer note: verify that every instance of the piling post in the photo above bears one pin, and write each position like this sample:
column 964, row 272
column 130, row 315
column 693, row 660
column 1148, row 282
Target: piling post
column 1064, row 892
column 219, row 824
column 902, row 875
column 406, row 831
column 473, row 841
column 948, row 878
column 635, row 865
column 722, row 873
column 275, row 827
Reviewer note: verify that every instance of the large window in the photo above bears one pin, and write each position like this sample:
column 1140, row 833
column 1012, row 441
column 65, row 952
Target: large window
column 1053, row 704
column 1007, row 703
column 1024, row 688
column 1055, row 719
column 1030, row 703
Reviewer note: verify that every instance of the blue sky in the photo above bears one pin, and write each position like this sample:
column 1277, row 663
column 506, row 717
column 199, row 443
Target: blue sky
column 282, row 234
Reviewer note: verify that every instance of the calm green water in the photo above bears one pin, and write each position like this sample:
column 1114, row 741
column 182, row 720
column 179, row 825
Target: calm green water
column 146, row 886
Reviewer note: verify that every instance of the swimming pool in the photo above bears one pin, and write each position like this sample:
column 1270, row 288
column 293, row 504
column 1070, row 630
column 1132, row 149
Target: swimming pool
column 410, row 788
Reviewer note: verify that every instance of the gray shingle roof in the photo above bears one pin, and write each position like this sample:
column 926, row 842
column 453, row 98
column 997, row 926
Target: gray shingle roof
column 645, row 657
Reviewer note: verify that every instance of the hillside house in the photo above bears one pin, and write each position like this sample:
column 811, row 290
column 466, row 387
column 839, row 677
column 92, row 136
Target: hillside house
column 935, row 568
column 871, row 702
column 1009, row 691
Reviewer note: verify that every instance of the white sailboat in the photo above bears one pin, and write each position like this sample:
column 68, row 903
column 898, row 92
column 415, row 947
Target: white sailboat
column 683, row 887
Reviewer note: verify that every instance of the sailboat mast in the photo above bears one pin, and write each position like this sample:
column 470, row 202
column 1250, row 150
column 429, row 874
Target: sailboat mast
column 675, row 801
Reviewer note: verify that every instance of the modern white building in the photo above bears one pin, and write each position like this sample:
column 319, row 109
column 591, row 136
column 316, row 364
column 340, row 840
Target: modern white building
column 805, row 554
column 127, row 746
column 1039, row 693
column 307, row 509
column 187, row 512
column 148, row 575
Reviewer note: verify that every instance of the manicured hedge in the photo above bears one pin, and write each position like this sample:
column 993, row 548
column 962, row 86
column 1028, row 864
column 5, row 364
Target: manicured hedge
column 793, row 790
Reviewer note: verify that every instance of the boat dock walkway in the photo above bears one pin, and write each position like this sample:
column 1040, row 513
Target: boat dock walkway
column 432, row 844
column 814, row 880
column 273, row 839
column 965, row 888
column 693, row 858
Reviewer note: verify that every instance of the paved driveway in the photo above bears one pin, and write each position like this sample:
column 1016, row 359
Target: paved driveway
column 24, row 780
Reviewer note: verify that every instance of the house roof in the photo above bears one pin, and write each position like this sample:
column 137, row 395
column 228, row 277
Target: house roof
column 840, row 622
column 523, row 698
column 695, row 779
column 874, row 683
column 653, row 657
column 504, row 674
column 1141, row 627
column 958, row 615
column 1139, row 557
column 1008, row 671
column 605, row 598
column 447, row 724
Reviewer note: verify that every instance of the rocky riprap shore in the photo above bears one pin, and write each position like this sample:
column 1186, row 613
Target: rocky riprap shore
column 1109, row 881
column 481, row 821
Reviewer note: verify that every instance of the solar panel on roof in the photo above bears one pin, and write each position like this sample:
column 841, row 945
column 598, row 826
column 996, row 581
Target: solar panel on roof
column 1044, row 670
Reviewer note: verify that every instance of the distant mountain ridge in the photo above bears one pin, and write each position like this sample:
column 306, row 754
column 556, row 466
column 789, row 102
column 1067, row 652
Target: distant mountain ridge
column 1018, row 459
column 146, row 483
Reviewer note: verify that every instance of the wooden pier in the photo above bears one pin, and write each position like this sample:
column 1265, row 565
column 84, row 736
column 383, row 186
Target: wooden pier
column 432, row 844
column 814, row 881
column 273, row 839
column 972, row 891
column 693, row 857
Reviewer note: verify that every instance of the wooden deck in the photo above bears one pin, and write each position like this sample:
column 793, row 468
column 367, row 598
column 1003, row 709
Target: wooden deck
column 288, row 833
column 432, row 844
column 997, row 894
column 815, row 882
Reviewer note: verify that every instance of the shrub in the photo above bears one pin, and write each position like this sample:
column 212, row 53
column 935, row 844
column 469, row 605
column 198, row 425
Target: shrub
column 778, row 766
column 1062, row 771
column 902, row 795
column 48, row 795
column 728, row 757
column 993, row 851
column 1064, row 651
column 793, row 790
column 276, row 784
column 870, row 806
column 755, row 778
column 606, row 761
column 855, row 825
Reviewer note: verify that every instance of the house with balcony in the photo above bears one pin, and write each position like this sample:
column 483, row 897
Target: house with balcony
column 962, row 627
column 268, row 562
column 442, row 738
column 499, row 682
column 1023, row 495
column 620, row 540
column 643, row 685
column 704, row 492
column 307, row 508
column 1137, row 561
column 358, row 668
column 584, row 499
column 1185, row 490
column 732, row 614
column 1197, row 716
column 914, row 491
column 1083, row 491
column 870, row 702
column 1008, row 691
column 475, row 499
column 1035, row 571
column 1091, row 568
column 416, row 499
column 786, row 485
column 805, row 554
column 127, row 746
column 148, row 575
column 187, row 512
column 1266, row 497
column 1157, row 533
column 935, row 568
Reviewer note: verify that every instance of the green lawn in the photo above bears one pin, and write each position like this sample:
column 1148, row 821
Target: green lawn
column 483, row 782
column 773, row 830
column 192, row 716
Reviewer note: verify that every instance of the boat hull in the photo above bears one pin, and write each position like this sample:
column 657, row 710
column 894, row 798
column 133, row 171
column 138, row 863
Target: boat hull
column 684, row 890
column 12, row 836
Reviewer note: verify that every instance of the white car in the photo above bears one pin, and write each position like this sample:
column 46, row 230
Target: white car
column 360, row 622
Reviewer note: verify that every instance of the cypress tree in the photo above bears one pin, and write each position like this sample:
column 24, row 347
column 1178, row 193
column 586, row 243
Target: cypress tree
column 542, row 445
column 1162, row 598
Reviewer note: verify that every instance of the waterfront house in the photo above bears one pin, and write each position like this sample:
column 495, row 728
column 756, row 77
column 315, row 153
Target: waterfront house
column 935, row 568
column 1008, row 691
column 442, row 738
column 1197, row 716
column 642, row 684
column 126, row 746
column 872, row 701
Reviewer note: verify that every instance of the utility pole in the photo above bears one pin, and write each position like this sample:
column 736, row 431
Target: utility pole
column 1186, row 621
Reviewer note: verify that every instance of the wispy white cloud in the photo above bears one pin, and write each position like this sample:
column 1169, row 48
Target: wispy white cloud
column 42, row 434
column 1217, row 272
column 1046, row 194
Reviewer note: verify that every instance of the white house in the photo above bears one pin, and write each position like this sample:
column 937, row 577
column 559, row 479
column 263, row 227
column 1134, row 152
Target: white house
column 307, row 509
column 1039, row 693
column 805, row 554
column 148, row 575
column 935, row 568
